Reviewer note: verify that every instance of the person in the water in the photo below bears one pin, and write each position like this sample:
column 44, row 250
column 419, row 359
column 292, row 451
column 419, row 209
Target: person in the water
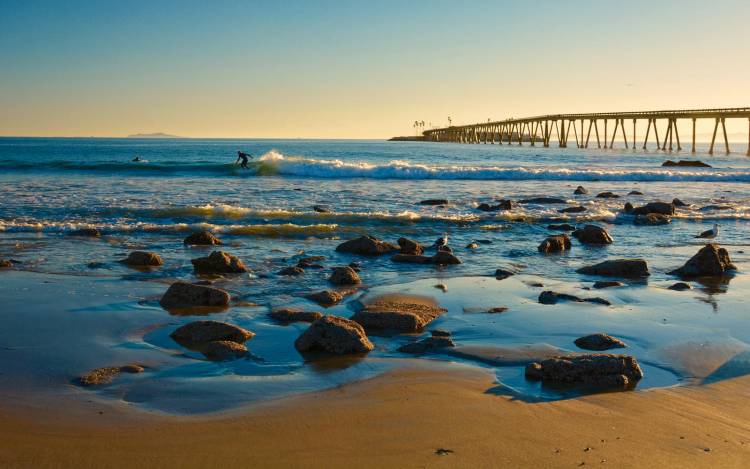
column 137, row 159
column 242, row 156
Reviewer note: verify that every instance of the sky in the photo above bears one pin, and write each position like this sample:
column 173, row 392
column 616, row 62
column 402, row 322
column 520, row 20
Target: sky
column 357, row 69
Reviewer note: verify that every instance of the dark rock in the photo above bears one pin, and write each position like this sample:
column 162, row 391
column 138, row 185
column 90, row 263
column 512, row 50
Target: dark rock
column 611, row 371
column 502, row 205
column 689, row 163
column 445, row 258
column 484, row 241
column 411, row 259
column 325, row 298
column 434, row 202
column 551, row 298
column 143, row 259
column 220, row 350
column 357, row 266
column 679, row 203
column 543, row 201
column 202, row 238
column 188, row 295
column 592, row 234
column 607, row 195
column 219, row 262
column 292, row 271
column 625, row 268
column 556, row 243
column 711, row 208
column 502, row 274
column 680, row 286
column 429, row 344
column 628, row 207
column 366, row 245
column 321, row 208
column 410, row 247
column 334, row 334
column 711, row 261
column 599, row 342
column 310, row 262
column 201, row 332
column 662, row 208
column 397, row 315
column 580, row 190
column 287, row 315
column 86, row 233
column 652, row 219
column 4, row 264
column 344, row 276
column 578, row 209
column 561, row 227
column 497, row 310
column 607, row 284
column 440, row 333
column 132, row 368
column 635, row 193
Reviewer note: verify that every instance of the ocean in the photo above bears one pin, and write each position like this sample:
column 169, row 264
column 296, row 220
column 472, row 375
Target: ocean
column 70, row 307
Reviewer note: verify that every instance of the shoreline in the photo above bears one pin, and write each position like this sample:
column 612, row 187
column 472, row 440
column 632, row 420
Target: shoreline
column 406, row 418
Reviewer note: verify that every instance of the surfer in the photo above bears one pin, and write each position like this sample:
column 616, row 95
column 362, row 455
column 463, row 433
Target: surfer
column 136, row 159
column 242, row 156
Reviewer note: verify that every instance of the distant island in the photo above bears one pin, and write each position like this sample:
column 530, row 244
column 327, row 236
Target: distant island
column 154, row 135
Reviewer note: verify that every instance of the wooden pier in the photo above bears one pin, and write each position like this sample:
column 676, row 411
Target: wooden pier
column 541, row 129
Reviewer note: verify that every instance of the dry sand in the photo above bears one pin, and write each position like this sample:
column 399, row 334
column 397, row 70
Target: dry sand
column 401, row 419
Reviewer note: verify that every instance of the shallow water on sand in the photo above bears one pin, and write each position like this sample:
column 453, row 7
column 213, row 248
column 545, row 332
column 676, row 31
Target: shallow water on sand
column 63, row 316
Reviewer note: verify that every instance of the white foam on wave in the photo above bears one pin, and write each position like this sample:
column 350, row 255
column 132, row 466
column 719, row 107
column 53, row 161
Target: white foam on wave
column 274, row 162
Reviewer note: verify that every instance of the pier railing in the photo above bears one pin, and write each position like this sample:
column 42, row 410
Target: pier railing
column 541, row 128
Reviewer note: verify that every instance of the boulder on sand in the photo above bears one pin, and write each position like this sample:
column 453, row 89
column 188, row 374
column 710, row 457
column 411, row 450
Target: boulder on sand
column 663, row 208
column 601, row 370
column 410, row 247
column 202, row 238
column 219, row 262
column 592, row 234
column 334, row 334
column 652, row 219
column 325, row 298
column 287, row 315
column 106, row 374
column 599, row 342
column 556, row 243
column 401, row 316
column 626, row 268
column 188, row 295
column 711, row 261
column 201, row 332
column 366, row 245
column 142, row 259
column 344, row 276
column 580, row 190
column 552, row 298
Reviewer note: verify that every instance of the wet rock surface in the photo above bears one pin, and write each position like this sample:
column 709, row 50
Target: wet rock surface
column 549, row 297
column 652, row 219
column 680, row 286
column 220, row 350
column 577, row 209
column 501, row 205
column 397, row 315
column 426, row 345
column 106, row 375
column 219, row 262
column 408, row 246
column 434, row 202
column 502, row 274
column 711, row 261
column 344, row 276
column 580, row 190
column 292, row 271
column 561, row 227
column 663, row 208
column 202, row 238
column 288, row 315
column 687, row 163
column 335, row 335
column 593, row 234
column 201, row 332
column 188, row 295
column 625, row 268
column 543, row 200
column 607, row 284
column 599, row 342
column 86, row 233
column 143, row 259
column 325, row 298
column 556, row 243
column 607, row 195
column 605, row 370
column 366, row 246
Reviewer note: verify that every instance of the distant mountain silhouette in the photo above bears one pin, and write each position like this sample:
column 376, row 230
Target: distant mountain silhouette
column 154, row 135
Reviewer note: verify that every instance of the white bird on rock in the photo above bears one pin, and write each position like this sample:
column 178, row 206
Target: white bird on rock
column 441, row 242
column 710, row 234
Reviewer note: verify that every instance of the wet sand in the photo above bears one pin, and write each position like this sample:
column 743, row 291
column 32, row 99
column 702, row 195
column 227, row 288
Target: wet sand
column 404, row 418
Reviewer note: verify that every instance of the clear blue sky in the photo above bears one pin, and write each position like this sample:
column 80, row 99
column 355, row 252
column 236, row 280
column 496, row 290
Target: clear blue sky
column 356, row 68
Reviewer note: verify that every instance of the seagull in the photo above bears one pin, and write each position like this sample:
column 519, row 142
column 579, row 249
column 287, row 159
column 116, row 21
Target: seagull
column 441, row 242
column 710, row 234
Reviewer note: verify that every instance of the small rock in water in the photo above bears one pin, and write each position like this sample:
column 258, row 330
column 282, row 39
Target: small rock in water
column 202, row 238
column 344, row 276
column 434, row 202
column 662, row 208
column 689, row 163
column 497, row 310
column 680, row 286
column 472, row 246
column 142, row 259
column 652, row 219
column 6, row 264
column 397, row 315
column 561, row 227
column 445, row 258
column 711, row 261
column 188, row 295
column 426, row 345
column 635, row 193
column 607, row 284
column 201, row 332
column 219, row 262
column 484, row 241
column 311, row 262
column 292, row 271
column 221, row 350
column 440, row 333
column 325, row 298
column 543, row 201
column 442, row 287
column 321, row 208
column 625, row 268
column 607, row 195
column 549, row 297
column 411, row 259
column 580, row 190
column 502, row 274
column 287, row 315
column 366, row 245
column 679, row 203
column 501, row 205
column 335, row 335
column 599, row 342
column 610, row 371
column 628, row 208
column 556, row 243
column 105, row 375
column 577, row 209
column 410, row 247
column 357, row 266
column 86, row 233
column 592, row 234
